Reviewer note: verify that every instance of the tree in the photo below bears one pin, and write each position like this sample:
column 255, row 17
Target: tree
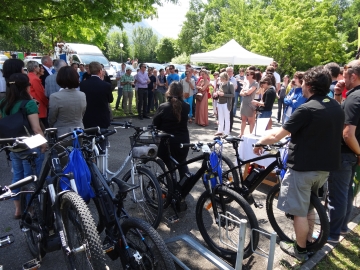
column 30, row 41
column 166, row 50
column 144, row 43
column 72, row 20
column 112, row 46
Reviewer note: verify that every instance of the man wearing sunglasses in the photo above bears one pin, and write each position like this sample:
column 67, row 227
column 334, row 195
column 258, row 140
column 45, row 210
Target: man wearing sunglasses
column 142, row 81
column 172, row 76
column 340, row 181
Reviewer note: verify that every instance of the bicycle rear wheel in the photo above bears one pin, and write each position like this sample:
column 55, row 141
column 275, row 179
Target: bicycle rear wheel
column 150, row 246
column 283, row 223
column 158, row 168
column 234, row 207
column 145, row 202
column 80, row 232
column 33, row 218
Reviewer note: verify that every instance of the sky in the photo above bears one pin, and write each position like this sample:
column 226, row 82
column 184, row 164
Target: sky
column 170, row 18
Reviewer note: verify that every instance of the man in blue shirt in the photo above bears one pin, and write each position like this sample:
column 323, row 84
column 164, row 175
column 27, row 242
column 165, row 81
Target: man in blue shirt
column 172, row 76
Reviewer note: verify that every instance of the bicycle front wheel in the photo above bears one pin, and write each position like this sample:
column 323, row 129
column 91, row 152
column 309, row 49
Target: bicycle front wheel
column 81, row 234
column 223, row 238
column 283, row 223
column 230, row 177
column 149, row 245
column 145, row 202
column 158, row 168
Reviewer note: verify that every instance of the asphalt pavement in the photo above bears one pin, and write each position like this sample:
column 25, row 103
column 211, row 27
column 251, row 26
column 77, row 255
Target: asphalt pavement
column 16, row 254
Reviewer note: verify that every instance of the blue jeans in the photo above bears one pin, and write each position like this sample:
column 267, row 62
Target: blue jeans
column 237, row 98
column 118, row 98
column 189, row 100
column 265, row 114
column 341, row 194
column 22, row 168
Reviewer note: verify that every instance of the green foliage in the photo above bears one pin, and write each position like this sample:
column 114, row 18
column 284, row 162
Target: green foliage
column 145, row 42
column 298, row 34
column 181, row 59
column 112, row 47
column 27, row 37
column 166, row 50
column 86, row 21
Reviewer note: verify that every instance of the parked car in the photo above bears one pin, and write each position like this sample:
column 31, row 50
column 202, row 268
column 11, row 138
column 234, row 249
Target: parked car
column 115, row 65
column 32, row 58
column 3, row 58
column 154, row 65
column 180, row 68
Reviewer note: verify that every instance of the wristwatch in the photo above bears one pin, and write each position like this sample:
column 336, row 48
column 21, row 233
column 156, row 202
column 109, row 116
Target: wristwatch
column 337, row 94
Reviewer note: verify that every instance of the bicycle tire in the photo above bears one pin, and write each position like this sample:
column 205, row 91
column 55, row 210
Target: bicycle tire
column 33, row 219
column 209, row 228
column 282, row 223
column 158, row 167
column 145, row 202
column 80, row 229
column 155, row 254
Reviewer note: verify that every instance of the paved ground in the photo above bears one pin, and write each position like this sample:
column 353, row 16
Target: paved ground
column 13, row 256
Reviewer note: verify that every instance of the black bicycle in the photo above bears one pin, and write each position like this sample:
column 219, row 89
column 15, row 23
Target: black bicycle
column 133, row 240
column 57, row 220
column 219, row 209
column 281, row 222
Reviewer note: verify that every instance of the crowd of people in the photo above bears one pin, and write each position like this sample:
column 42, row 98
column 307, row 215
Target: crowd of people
column 324, row 135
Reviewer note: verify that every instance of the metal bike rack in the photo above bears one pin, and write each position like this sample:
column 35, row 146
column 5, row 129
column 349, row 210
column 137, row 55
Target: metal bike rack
column 217, row 261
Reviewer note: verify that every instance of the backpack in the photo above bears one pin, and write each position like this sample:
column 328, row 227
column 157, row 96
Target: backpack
column 17, row 124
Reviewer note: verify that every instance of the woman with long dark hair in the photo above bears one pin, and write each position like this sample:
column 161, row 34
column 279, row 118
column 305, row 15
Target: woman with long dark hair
column 17, row 94
column 171, row 117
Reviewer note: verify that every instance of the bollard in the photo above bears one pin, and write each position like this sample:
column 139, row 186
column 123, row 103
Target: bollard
column 240, row 252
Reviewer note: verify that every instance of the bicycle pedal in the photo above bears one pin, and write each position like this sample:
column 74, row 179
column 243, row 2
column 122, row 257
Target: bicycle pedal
column 31, row 265
column 6, row 240
column 173, row 219
column 258, row 205
column 108, row 247
column 181, row 206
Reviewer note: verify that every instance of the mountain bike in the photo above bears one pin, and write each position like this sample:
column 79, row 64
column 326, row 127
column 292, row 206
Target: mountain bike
column 146, row 202
column 218, row 210
column 133, row 240
column 281, row 222
column 57, row 220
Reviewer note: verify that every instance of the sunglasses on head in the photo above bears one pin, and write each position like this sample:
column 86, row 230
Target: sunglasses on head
column 346, row 67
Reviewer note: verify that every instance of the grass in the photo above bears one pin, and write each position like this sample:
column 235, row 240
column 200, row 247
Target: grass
column 345, row 255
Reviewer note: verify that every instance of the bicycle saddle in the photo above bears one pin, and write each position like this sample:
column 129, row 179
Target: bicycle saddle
column 28, row 156
column 124, row 187
column 164, row 135
column 233, row 139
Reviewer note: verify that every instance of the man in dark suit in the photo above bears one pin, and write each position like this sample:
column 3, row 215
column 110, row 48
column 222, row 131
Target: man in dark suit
column 48, row 70
column 98, row 96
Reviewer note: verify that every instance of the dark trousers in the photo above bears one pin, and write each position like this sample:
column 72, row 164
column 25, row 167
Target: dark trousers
column 280, row 108
column 150, row 104
column 341, row 194
column 120, row 90
column 142, row 95
column 232, row 114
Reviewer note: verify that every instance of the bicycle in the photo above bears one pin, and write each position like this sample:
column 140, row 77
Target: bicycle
column 57, row 220
column 6, row 193
column 218, row 210
column 134, row 241
column 146, row 202
column 281, row 222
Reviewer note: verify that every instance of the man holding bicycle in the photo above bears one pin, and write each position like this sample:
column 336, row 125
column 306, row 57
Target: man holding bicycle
column 314, row 150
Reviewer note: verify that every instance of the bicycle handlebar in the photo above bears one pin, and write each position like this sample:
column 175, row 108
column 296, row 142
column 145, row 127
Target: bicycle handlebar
column 275, row 145
column 95, row 130
column 18, row 184
column 105, row 134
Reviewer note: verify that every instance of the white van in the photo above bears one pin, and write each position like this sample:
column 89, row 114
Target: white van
column 84, row 54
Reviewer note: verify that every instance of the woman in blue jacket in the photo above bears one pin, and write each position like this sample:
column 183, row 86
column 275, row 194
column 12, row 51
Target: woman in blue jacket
column 295, row 98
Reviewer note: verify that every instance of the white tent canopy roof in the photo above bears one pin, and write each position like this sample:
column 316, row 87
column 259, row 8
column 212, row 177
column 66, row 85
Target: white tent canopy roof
column 233, row 54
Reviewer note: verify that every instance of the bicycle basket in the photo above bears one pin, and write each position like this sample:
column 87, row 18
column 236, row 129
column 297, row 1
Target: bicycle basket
column 144, row 139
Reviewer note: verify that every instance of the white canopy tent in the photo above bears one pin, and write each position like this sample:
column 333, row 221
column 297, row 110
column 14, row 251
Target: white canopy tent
column 232, row 54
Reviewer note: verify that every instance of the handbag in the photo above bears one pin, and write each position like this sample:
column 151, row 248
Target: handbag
column 199, row 97
column 17, row 124
column 215, row 97
column 77, row 165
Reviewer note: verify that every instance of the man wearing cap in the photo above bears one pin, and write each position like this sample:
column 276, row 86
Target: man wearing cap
column 126, row 81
